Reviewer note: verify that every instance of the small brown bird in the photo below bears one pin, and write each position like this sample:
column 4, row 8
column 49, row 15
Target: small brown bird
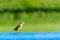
column 19, row 26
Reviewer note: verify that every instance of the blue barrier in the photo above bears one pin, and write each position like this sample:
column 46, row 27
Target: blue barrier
column 30, row 36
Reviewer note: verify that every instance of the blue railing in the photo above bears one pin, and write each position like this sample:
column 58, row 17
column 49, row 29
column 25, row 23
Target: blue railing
column 30, row 36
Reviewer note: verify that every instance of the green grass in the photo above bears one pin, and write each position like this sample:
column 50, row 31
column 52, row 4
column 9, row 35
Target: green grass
column 32, row 28
column 10, row 4
column 35, row 22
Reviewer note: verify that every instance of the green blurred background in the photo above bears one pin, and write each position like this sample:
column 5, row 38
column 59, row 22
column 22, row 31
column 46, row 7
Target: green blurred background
column 38, row 15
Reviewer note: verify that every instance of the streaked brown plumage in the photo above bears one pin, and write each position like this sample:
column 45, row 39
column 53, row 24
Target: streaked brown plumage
column 19, row 26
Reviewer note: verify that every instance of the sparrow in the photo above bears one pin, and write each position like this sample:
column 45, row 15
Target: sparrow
column 19, row 26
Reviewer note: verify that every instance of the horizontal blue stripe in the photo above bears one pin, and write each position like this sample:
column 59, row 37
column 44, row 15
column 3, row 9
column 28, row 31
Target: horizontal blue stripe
column 30, row 36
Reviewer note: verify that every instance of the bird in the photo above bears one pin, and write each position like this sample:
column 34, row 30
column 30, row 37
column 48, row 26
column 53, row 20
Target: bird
column 19, row 26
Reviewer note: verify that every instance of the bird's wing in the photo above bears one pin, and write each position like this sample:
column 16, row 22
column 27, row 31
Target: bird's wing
column 16, row 28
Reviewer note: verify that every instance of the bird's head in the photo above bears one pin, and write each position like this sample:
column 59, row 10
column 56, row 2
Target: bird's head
column 22, row 22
